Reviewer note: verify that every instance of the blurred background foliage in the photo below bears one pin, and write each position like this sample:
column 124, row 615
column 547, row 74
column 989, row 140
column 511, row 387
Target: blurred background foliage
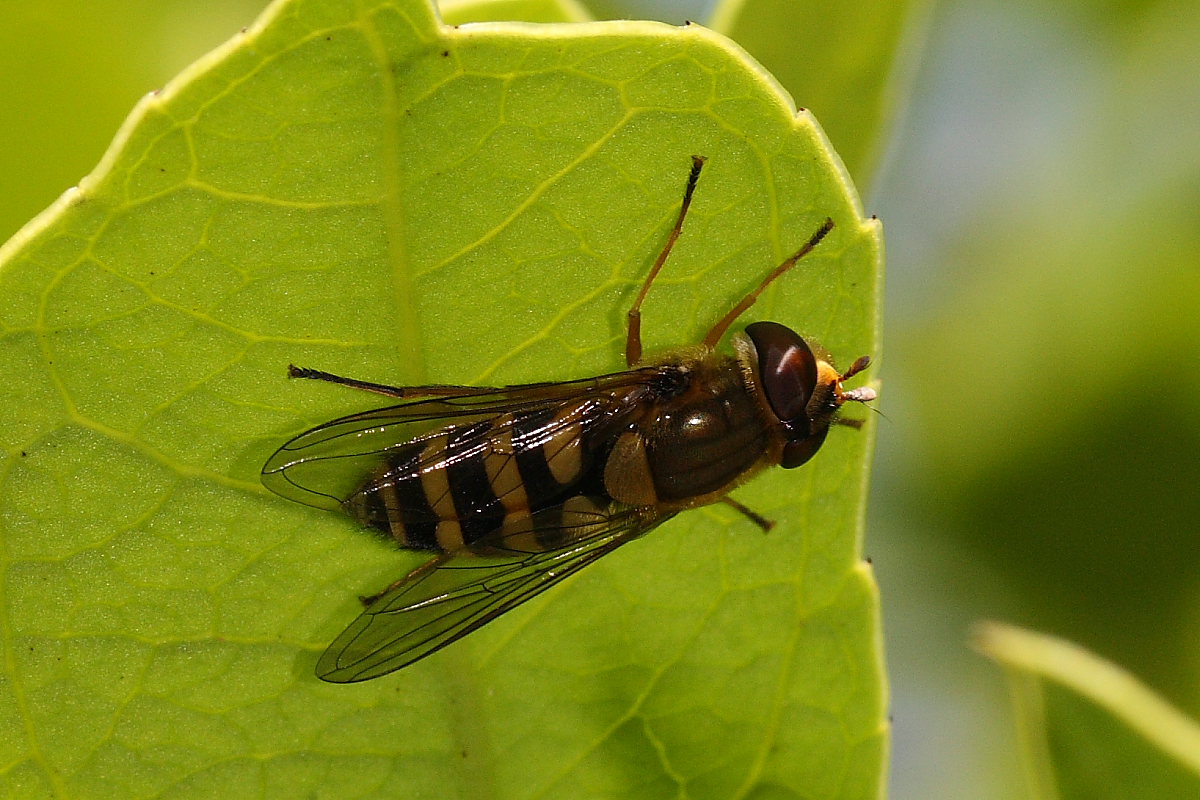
column 1040, row 188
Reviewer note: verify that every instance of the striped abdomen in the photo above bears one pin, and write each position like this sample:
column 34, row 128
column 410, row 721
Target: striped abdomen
column 530, row 476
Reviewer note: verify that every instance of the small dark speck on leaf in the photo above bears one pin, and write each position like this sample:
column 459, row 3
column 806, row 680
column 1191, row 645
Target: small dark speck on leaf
column 23, row 454
column 445, row 53
column 870, row 560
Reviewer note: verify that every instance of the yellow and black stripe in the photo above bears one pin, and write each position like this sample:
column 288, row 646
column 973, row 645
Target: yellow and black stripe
column 534, row 478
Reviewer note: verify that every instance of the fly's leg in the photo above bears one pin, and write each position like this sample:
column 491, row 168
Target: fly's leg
column 633, row 337
column 718, row 330
column 432, row 390
column 756, row 518
column 416, row 575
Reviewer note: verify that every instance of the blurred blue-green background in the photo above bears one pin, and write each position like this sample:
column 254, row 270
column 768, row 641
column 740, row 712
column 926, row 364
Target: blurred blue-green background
column 1040, row 189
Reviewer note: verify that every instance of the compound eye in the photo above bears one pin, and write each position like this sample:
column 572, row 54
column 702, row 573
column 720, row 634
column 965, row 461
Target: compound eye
column 787, row 369
column 799, row 451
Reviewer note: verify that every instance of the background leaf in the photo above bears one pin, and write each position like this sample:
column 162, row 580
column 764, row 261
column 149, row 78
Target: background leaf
column 1092, row 730
column 1042, row 300
column 352, row 186
column 848, row 61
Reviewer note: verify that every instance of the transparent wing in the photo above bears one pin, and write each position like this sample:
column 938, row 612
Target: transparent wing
column 456, row 593
column 324, row 466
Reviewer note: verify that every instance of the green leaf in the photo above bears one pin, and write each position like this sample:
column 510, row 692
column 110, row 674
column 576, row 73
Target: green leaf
column 844, row 60
column 458, row 12
column 1090, row 729
column 355, row 187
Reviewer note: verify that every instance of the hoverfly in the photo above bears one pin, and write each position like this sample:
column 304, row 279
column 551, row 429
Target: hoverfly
column 516, row 487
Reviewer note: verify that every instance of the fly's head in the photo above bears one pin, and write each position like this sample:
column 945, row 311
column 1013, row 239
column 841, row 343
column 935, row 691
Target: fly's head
column 803, row 392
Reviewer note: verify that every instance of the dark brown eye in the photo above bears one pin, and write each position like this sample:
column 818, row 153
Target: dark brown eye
column 798, row 451
column 786, row 368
